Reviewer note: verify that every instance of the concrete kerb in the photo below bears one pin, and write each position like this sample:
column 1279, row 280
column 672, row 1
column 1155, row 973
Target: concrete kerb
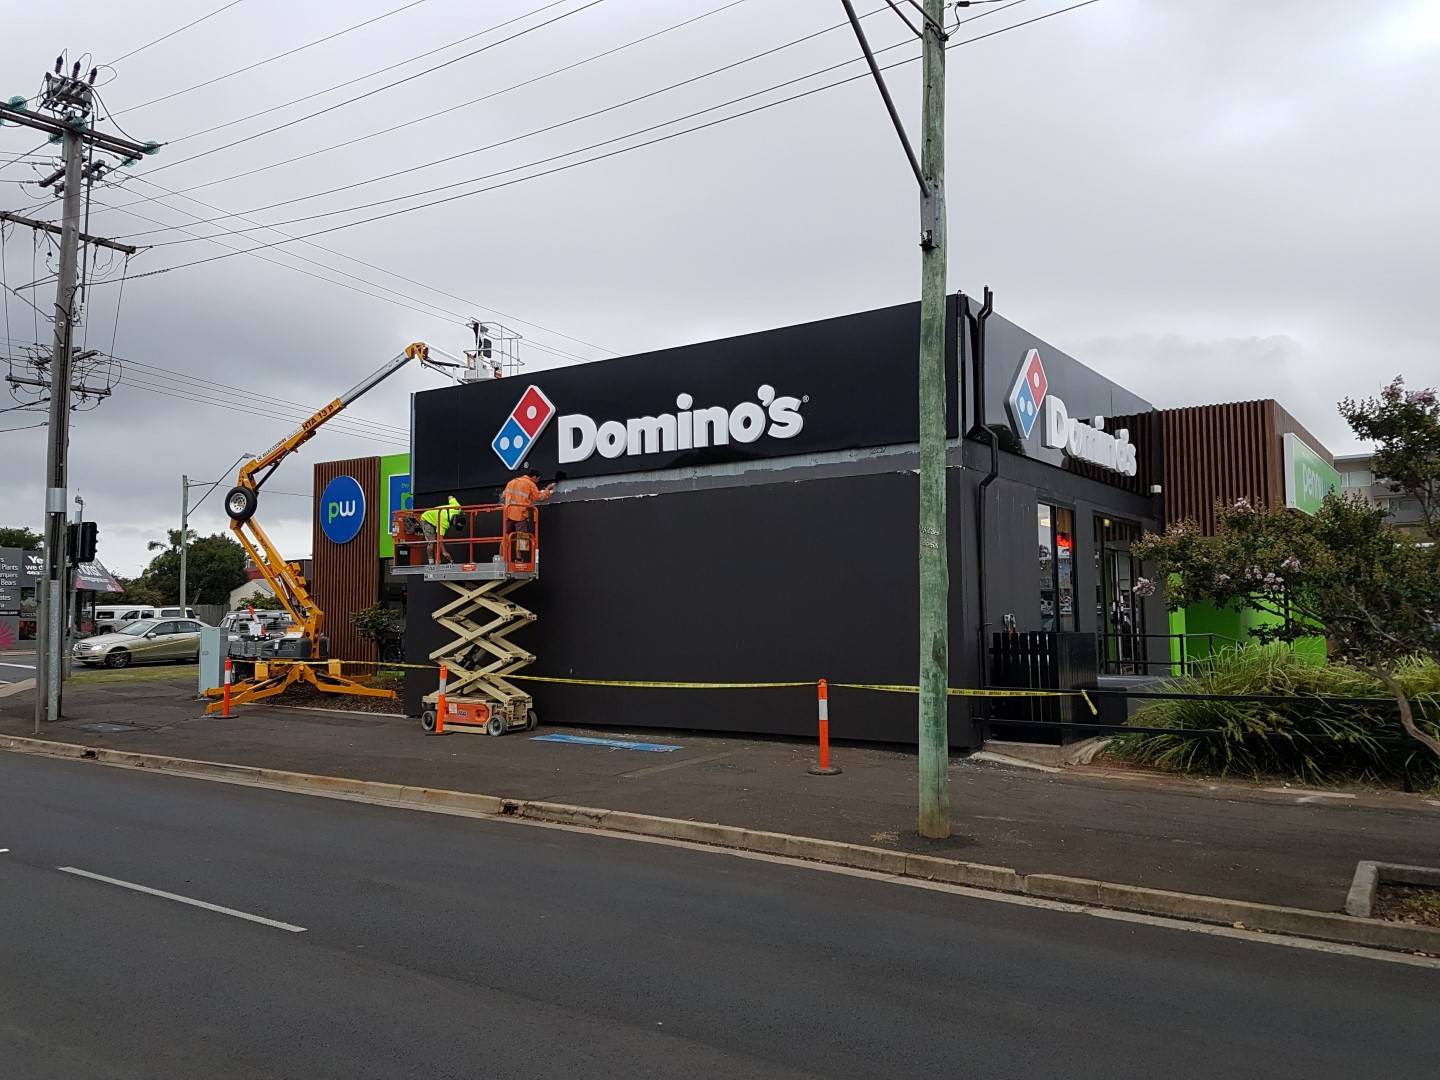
column 1298, row 922
column 1370, row 875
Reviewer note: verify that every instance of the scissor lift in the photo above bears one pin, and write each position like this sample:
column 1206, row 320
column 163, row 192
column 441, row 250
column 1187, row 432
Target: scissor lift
column 501, row 554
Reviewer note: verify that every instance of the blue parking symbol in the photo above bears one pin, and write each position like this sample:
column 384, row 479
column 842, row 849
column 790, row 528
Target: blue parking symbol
column 511, row 444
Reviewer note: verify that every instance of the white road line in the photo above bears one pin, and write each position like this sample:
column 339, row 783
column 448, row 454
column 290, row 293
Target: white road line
column 182, row 899
column 27, row 667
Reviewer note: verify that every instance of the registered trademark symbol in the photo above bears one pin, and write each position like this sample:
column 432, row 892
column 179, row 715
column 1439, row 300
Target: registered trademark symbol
column 805, row 400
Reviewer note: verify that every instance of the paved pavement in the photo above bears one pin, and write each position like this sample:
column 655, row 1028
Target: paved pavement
column 435, row 946
column 1233, row 840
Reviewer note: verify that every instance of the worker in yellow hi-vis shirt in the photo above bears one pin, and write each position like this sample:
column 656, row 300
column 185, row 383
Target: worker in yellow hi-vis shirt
column 434, row 524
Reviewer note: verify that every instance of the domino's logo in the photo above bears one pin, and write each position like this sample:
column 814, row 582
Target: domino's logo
column 1028, row 394
column 527, row 420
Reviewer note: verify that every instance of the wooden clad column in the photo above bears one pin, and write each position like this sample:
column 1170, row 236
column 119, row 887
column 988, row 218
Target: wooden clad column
column 346, row 577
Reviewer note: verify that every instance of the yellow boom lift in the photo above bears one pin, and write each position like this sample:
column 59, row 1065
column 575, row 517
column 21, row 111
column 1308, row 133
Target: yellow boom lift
column 279, row 665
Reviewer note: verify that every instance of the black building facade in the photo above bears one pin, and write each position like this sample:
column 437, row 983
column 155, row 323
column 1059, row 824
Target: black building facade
column 744, row 510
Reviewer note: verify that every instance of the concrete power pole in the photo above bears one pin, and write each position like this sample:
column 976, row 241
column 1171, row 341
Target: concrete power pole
column 934, row 814
column 65, row 112
column 933, row 819
column 50, row 658
column 184, row 524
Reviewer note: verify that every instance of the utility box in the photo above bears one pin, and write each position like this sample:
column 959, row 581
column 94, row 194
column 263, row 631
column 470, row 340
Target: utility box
column 214, row 643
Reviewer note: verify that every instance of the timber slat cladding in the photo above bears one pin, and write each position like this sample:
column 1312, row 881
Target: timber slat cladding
column 346, row 577
column 1224, row 453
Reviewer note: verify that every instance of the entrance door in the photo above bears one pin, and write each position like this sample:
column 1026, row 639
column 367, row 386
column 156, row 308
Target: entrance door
column 1119, row 612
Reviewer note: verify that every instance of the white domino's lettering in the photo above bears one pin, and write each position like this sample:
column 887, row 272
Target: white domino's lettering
column 689, row 428
column 1087, row 442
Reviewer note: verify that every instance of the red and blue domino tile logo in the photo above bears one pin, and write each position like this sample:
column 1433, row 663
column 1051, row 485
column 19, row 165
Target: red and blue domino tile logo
column 1028, row 394
column 527, row 420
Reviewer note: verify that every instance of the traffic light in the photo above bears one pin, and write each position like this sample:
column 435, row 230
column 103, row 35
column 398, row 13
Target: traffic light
column 81, row 541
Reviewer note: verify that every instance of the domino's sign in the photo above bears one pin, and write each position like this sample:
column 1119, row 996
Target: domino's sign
column 342, row 509
column 691, row 426
column 1030, row 396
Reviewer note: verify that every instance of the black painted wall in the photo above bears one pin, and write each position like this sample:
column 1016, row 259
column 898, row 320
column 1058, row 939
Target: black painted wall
column 768, row 582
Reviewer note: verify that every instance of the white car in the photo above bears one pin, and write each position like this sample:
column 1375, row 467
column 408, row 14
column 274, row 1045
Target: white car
column 110, row 619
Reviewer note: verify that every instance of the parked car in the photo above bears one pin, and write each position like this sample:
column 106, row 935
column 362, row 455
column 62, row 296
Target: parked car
column 176, row 613
column 238, row 624
column 142, row 641
column 110, row 619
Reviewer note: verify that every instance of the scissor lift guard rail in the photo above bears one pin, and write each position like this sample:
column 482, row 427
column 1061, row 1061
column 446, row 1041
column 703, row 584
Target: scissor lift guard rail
column 499, row 553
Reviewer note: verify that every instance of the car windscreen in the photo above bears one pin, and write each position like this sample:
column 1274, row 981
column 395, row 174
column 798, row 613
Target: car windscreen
column 139, row 628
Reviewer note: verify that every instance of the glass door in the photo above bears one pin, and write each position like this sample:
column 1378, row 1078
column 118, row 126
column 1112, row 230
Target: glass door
column 1119, row 612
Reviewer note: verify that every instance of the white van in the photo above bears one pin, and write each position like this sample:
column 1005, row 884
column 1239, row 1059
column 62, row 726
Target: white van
column 110, row 619
column 176, row 613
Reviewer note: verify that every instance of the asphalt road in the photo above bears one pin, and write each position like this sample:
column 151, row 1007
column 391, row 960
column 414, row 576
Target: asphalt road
column 436, row 946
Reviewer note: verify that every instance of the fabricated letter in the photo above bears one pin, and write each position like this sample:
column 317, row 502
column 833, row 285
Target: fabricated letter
column 577, row 438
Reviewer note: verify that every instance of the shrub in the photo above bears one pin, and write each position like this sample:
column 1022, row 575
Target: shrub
column 1312, row 739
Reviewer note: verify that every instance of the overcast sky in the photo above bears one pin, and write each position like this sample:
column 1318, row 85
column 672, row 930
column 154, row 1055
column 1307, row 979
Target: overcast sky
column 1204, row 202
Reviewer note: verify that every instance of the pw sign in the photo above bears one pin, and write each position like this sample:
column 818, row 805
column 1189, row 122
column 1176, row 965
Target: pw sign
column 1077, row 439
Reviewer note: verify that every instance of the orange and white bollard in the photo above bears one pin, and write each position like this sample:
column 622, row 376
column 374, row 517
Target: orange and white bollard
column 440, row 703
column 823, row 767
column 229, row 675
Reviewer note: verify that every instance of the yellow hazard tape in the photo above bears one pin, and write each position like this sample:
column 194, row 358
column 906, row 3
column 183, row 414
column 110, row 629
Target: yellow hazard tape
column 889, row 688
column 660, row 685
column 954, row 691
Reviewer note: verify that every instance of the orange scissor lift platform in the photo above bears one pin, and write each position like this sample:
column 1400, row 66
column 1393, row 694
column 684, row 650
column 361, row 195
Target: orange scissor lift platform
column 497, row 555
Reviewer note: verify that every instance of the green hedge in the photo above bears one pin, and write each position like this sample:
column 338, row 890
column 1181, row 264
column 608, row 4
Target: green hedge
column 1309, row 739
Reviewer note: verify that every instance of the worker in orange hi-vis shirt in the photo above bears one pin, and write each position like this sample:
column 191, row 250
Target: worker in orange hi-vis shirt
column 521, row 494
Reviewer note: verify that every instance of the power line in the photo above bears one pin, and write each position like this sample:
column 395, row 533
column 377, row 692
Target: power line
column 384, row 270
column 181, row 30
column 598, row 157
column 371, row 93
column 475, row 101
column 27, row 427
column 272, row 59
column 268, row 401
column 234, row 407
column 538, row 131
column 505, row 142
column 388, row 296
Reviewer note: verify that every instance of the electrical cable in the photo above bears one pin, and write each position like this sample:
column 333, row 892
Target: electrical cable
column 172, row 33
column 230, row 178
column 371, row 93
column 598, row 157
column 27, row 427
column 491, row 146
column 272, row 59
column 259, row 408
column 539, row 131
column 234, row 407
column 265, row 400
column 464, row 319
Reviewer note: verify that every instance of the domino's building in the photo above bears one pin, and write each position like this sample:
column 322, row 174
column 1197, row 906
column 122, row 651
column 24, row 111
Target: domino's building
column 744, row 510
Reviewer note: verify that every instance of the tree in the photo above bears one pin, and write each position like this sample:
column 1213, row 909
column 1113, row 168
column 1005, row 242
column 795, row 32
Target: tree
column 1405, row 428
column 19, row 537
column 261, row 601
column 133, row 591
column 1372, row 591
column 215, row 567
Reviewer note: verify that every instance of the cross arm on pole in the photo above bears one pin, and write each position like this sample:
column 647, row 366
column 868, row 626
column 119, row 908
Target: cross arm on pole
column 98, row 241
column 101, row 140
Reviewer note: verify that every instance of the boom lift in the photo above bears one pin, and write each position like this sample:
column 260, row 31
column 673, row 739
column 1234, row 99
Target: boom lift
column 291, row 660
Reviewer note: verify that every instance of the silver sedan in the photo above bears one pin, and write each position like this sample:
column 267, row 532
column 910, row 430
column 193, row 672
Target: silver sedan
column 143, row 641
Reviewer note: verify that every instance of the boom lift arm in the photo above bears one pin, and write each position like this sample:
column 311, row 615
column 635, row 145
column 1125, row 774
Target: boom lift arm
column 242, row 500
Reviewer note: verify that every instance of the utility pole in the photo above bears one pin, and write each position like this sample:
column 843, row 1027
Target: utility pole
column 184, row 524
column 934, row 814
column 933, row 818
column 66, row 103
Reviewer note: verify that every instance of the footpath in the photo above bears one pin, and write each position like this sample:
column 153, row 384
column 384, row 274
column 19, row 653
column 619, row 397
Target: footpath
column 1268, row 844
